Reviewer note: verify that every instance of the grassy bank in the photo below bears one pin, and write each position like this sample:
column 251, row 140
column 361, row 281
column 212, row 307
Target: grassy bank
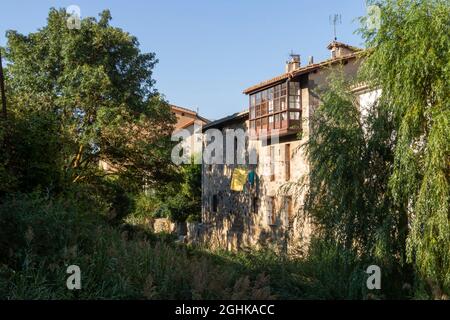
column 40, row 237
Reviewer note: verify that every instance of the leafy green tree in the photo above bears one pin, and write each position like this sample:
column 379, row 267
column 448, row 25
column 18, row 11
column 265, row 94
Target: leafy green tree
column 410, row 60
column 181, row 199
column 87, row 95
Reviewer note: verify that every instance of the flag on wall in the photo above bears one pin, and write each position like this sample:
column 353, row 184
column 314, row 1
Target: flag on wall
column 238, row 179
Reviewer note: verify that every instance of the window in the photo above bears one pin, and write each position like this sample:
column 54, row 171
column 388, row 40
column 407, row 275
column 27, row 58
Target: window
column 252, row 100
column 276, row 105
column 283, row 103
column 294, row 115
column 254, row 205
column 258, row 98
column 283, row 89
column 277, row 90
column 268, row 103
column 272, row 163
column 294, row 88
column 264, row 108
column 264, row 96
column 287, row 162
column 264, row 122
column 294, row 102
column 214, row 203
column 270, row 106
column 270, row 94
column 271, row 211
column 294, row 95
column 288, row 209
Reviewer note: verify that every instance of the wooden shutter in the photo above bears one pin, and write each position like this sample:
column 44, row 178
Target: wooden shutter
column 272, row 163
column 287, row 161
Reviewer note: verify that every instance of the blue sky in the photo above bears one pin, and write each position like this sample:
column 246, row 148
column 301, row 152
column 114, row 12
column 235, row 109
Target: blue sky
column 209, row 51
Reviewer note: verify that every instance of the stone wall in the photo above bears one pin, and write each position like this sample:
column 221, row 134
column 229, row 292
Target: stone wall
column 235, row 224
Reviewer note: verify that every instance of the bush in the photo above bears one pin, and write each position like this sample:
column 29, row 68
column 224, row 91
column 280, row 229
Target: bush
column 41, row 236
column 145, row 205
column 116, row 263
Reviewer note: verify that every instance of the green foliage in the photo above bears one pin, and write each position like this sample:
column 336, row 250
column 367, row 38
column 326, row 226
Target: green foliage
column 180, row 200
column 78, row 97
column 410, row 60
column 37, row 227
column 145, row 204
column 44, row 235
column 351, row 161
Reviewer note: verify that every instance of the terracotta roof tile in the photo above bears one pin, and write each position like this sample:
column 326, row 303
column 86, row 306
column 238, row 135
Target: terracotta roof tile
column 301, row 70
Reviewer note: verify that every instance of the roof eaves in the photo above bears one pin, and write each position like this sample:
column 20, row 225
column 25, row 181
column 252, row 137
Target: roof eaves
column 227, row 119
column 302, row 70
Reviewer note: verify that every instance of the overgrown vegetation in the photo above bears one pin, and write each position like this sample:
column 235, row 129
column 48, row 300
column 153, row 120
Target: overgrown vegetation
column 379, row 183
column 410, row 61
column 41, row 236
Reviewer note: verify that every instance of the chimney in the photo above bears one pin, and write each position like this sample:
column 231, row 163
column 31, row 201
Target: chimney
column 339, row 49
column 311, row 60
column 293, row 63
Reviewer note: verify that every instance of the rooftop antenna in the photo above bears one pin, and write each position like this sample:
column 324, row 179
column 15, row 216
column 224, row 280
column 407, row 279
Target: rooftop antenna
column 335, row 19
column 294, row 56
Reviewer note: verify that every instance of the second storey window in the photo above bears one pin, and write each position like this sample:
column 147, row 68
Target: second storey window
column 215, row 203
column 254, row 205
column 287, row 162
column 276, row 108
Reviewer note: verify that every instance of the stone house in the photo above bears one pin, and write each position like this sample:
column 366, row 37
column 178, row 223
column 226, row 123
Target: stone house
column 186, row 118
column 268, row 209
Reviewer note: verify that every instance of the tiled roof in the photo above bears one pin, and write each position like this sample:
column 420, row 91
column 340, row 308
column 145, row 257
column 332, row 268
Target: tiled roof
column 194, row 113
column 344, row 45
column 225, row 120
column 183, row 109
column 302, row 70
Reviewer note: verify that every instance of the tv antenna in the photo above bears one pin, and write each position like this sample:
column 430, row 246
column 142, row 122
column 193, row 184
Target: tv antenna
column 335, row 19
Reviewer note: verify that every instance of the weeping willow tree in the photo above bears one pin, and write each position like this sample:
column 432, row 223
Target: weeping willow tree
column 410, row 60
column 351, row 160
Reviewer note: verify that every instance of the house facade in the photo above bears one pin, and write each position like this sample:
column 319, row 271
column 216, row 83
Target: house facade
column 188, row 126
column 266, row 209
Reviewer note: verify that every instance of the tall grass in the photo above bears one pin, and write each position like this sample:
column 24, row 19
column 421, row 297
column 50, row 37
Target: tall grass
column 40, row 237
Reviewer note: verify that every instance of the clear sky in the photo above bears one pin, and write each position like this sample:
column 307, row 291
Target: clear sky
column 209, row 51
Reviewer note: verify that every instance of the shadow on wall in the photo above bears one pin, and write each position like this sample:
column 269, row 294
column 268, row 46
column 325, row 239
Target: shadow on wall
column 234, row 219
